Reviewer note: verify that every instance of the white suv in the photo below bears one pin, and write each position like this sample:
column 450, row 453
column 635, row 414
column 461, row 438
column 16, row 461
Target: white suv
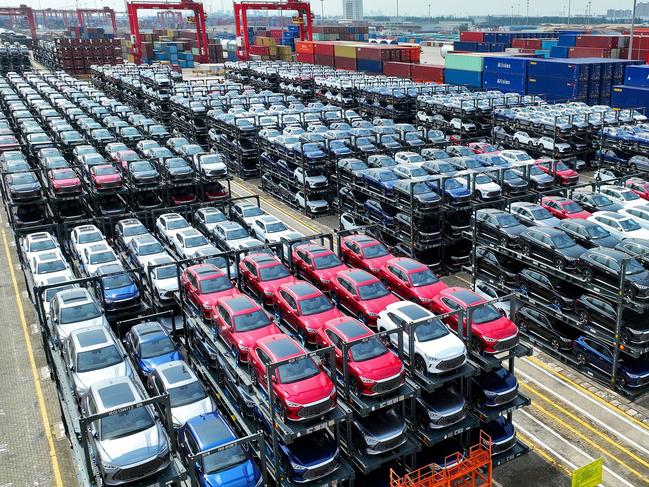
column 74, row 309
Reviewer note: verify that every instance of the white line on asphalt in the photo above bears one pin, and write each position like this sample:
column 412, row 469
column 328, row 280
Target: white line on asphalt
column 545, row 446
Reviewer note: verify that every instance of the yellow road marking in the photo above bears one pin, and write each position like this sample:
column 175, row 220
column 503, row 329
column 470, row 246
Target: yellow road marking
column 542, row 453
column 587, row 392
column 32, row 363
column 589, row 441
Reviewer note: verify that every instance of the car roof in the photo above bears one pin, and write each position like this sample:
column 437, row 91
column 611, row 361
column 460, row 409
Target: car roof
column 280, row 346
column 239, row 303
column 614, row 254
column 352, row 329
column 358, row 275
column 407, row 263
column 113, row 393
column 148, row 328
column 611, row 214
column 210, row 430
column 90, row 338
column 73, row 296
column 205, row 269
column 175, row 373
column 549, row 231
column 466, row 296
column 302, row 289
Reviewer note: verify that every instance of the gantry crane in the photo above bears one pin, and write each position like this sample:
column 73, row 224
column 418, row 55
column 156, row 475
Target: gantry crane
column 170, row 18
column 304, row 19
column 21, row 12
column 199, row 19
column 85, row 14
column 48, row 14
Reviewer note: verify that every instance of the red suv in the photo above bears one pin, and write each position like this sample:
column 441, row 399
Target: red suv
column 363, row 294
column 638, row 186
column 262, row 274
column 373, row 368
column 241, row 322
column 411, row 280
column 563, row 207
column 492, row 332
column 364, row 252
column 483, row 148
column 301, row 388
column 64, row 181
column 304, row 307
column 204, row 285
column 317, row 264
column 105, row 176
column 563, row 174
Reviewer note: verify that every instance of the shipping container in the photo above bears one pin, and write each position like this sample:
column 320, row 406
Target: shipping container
column 466, row 46
column 345, row 51
column 323, row 48
column 558, row 68
column 462, row 77
column 472, row 36
column 345, row 63
column 304, row 47
column 427, row 72
column 624, row 96
column 464, row 62
column 506, row 65
column 509, row 83
column 580, row 52
column 323, row 59
column 402, row 70
column 369, row 65
column 556, row 89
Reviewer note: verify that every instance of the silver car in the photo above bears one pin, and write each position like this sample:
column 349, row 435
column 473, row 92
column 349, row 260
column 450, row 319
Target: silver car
column 74, row 309
column 128, row 445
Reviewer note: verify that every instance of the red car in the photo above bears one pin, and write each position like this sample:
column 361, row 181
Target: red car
column 105, row 176
column 364, row 252
column 374, row 369
column 301, row 389
column 563, row 174
column 204, row 285
column 639, row 187
column 241, row 322
column 483, row 148
column 64, row 181
column 304, row 307
column 183, row 198
column 363, row 294
column 215, row 191
column 411, row 280
column 126, row 156
column 262, row 274
column 492, row 332
column 563, row 207
column 317, row 264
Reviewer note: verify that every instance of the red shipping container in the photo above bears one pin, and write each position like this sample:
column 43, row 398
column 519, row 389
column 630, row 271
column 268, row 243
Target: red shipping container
column 345, row 63
column 402, row 70
column 520, row 43
column 472, row 36
column 415, row 54
column 575, row 52
column 323, row 59
column 427, row 72
column 305, row 57
column 370, row 53
column 304, row 47
column 323, row 48
column 259, row 50
column 533, row 43
column 602, row 42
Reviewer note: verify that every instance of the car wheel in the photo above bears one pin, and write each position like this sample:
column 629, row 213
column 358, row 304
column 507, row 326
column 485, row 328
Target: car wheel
column 559, row 263
column 476, row 346
column 502, row 279
column 581, row 358
column 522, row 326
column 280, row 409
column 362, row 318
column 587, row 274
column 629, row 292
column 620, row 380
column 633, row 167
column 526, row 250
column 420, row 364
column 504, row 241
column 354, row 387
column 556, row 302
column 583, row 316
column 554, row 343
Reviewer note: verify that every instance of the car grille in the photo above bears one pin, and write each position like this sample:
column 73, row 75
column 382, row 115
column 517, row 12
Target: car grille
column 123, row 303
column 501, row 447
column 69, row 189
column 113, row 184
column 321, row 471
column 573, row 179
column 321, row 184
column 506, row 344
column 139, row 471
column 316, row 409
column 641, row 381
column 451, row 418
column 388, row 385
column 452, row 363
column 493, row 194
column 383, row 446
column 505, row 397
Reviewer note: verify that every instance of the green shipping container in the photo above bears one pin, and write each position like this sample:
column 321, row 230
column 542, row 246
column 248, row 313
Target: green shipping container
column 464, row 62
column 195, row 51
column 345, row 51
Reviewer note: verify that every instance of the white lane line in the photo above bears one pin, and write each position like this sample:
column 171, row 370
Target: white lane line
column 602, row 406
column 574, row 447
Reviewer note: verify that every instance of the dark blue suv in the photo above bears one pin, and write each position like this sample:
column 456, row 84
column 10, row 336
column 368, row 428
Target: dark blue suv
column 150, row 345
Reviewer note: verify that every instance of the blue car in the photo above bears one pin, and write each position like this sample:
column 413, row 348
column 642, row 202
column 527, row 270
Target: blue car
column 338, row 148
column 231, row 467
column 630, row 372
column 610, row 156
column 150, row 345
column 454, row 192
column 382, row 179
column 307, row 458
column 310, row 151
column 492, row 160
column 502, row 434
column 118, row 289
column 495, row 387
column 379, row 211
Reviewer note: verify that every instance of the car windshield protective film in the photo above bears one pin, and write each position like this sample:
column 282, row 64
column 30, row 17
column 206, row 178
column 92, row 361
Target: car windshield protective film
column 215, row 284
column 430, row 329
column 540, row 213
column 629, row 195
column 236, row 234
column 275, row 227
column 312, row 306
column 484, row 314
column 117, row 281
column 223, row 460
column 177, row 224
column 251, row 211
column 151, row 248
column 99, row 358
column 572, row 208
column 251, row 321
column 186, row 394
column 633, row 267
column 423, row 278
column 387, row 176
column 166, row 272
column 133, row 230
column 326, row 261
column 39, row 245
column 452, row 184
column 367, row 350
column 374, row 251
column 629, row 225
column 156, row 347
column 126, row 423
column 562, row 241
column 373, row 290
column 51, row 266
column 196, row 241
column 85, row 238
column 81, row 312
column 102, row 257
column 273, row 272
column 301, row 369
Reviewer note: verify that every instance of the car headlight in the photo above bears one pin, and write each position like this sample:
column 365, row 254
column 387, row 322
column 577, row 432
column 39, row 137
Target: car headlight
column 298, row 467
column 324, row 281
column 371, row 440
column 367, row 380
column 374, row 269
column 372, row 314
column 207, row 306
column 490, row 340
column 632, row 376
column 268, row 293
column 164, row 449
column 490, row 393
column 292, row 404
column 243, row 348
column 425, row 300
column 433, row 415
column 109, row 467
column 431, row 358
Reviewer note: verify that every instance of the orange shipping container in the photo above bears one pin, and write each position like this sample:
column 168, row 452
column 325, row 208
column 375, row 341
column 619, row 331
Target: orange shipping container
column 305, row 47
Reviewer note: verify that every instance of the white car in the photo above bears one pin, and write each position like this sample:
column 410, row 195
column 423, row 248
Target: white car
column 622, row 195
column 206, row 219
column 436, row 349
column 95, row 256
column 143, row 249
column 188, row 242
column 210, row 165
column 164, row 278
column 484, row 186
column 516, row 155
column 48, row 294
column 523, row 138
column 620, row 226
column 128, row 229
column 229, row 235
column 348, row 222
column 638, row 213
column 245, row 213
column 74, row 309
column 315, row 206
column 408, row 157
column 190, row 399
column 49, row 265
column 169, row 224
column 487, row 291
column 92, row 354
column 316, row 181
column 36, row 243
column 84, row 236
column 411, row 171
column 424, row 117
column 605, row 176
column 458, row 124
column 269, row 229
column 548, row 143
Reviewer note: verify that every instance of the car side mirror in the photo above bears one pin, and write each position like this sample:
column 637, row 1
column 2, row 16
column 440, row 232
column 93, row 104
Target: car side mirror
column 71, row 367
column 356, row 297
column 274, row 379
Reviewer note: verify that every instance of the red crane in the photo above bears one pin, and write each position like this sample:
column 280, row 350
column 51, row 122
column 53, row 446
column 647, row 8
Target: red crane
column 199, row 18
column 304, row 20
column 85, row 14
column 49, row 14
column 24, row 12
column 170, row 18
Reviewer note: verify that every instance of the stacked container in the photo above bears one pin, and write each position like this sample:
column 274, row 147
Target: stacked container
column 507, row 74
column 634, row 93
column 463, row 69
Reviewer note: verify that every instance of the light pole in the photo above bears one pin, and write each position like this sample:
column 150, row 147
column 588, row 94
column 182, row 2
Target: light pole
column 569, row 11
column 322, row 8
column 630, row 55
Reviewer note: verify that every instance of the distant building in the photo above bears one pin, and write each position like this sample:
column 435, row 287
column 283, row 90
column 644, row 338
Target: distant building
column 353, row 9
column 618, row 14
column 641, row 10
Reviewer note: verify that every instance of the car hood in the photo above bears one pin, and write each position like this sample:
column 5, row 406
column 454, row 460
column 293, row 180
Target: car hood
column 123, row 451
column 66, row 182
column 25, row 187
column 316, row 321
column 310, row 390
column 497, row 380
column 212, row 298
column 242, row 475
column 429, row 291
column 121, row 293
column 443, row 348
column 379, row 368
column 181, row 414
column 580, row 214
column 108, row 178
column 609, row 242
column 574, row 252
column 249, row 338
column 328, row 274
column 445, row 403
column 148, row 365
column 302, row 452
column 500, row 328
column 637, row 367
column 382, row 425
column 145, row 174
column 83, row 380
column 379, row 304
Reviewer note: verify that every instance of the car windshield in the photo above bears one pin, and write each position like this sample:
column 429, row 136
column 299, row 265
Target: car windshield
column 165, row 272
column 215, row 217
column 105, row 170
column 632, row 266
column 101, row 257
column 374, row 251
column 177, row 224
column 484, row 314
column 236, row 233
column 430, row 329
column 141, row 166
column 38, row 245
column 251, row 321
column 357, row 166
column 572, row 208
column 302, row 368
column 313, row 306
column 367, row 350
column 24, row 178
column 561, row 166
column 81, row 312
column 99, row 358
column 251, row 211
column 85, row 238
column 156, row 347
column 196, row 241
column 482, row 179
column 151, row 248
column 488, row 148
column 134, row 230
column 126, row 423
column 522, row 157
column 326, row 261
column 597, row 232
column 373, row 290
column 64, row 174
column 51, row 266
column 176, row 163
column 215, row 284
column 628, row 195
column 417, row 171
column 562, row 241
column 629, row 225
column 276, row 227
column 187, row 394
column 117, row 281
column 270, row 273
column 540, row 214
column 223, row 460
column 423, row 278
column 387, row 176
column 452, row 184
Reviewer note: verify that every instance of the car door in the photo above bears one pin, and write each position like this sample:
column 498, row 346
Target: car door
column 260, row 368
column 352, row 253
column 305, row 264
column 392, row 280
column 224, row 324
column 452, row 320
column 288, row 308
column 394, row 322
column 335, row 341
column 347, row 293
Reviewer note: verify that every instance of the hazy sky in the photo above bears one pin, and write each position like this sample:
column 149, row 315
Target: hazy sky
column 388, row 7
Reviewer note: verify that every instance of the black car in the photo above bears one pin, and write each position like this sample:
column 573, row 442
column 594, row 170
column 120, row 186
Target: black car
column 592, row 201
column 26, row 215
column 422, row 196
column 176, row 169
column 591, row 309
column 142, row 173
column 380, row 432
column 23, row 186
column 499, row 225
column 428, row 230
column 635, row 247
column 554, row 291
column 351, row 168
column 376, row 210
column 531, row 321
column 435, row 411
column 498, row 266
column 380, row 160
column 510, row 182
column 494, row 387
column 439, row 167
column 110, row 205
column 606, row 265
column 551, row 245
column 588, row 234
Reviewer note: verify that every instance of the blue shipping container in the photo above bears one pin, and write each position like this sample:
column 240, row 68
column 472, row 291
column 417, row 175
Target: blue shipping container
column 465, row 46
column 369, row 65
column 567, row 69
column 490, row 37
column 548, row 44
column 555, row 89
column 505, row 64
column 624, row 96
column 496, row 47
column 508, row 83
column 567, row 40
column 637, row 75
column 465, row 78
column 559, row 51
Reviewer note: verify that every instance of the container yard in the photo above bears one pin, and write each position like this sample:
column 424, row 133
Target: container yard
column 271, row 245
